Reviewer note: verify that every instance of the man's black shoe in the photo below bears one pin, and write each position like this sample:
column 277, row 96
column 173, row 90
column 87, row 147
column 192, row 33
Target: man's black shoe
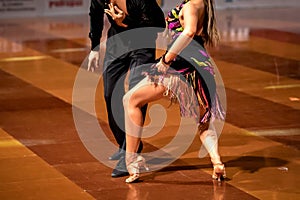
column 120, row 169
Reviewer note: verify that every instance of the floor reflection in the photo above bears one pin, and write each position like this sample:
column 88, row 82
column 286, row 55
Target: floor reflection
column 219, row 190
column 138, row 191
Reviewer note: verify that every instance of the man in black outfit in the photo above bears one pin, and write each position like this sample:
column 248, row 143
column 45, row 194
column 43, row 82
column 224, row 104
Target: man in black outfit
column 141, row 13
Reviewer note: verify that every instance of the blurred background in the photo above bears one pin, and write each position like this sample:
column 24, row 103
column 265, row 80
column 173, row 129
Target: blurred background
column 43, row 44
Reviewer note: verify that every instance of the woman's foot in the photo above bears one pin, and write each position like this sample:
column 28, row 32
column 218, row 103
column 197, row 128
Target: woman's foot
column 219, row 172
column 132, row 178
column 134, row 164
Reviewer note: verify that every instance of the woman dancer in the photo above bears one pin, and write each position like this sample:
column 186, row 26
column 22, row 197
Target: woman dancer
column 193, row 25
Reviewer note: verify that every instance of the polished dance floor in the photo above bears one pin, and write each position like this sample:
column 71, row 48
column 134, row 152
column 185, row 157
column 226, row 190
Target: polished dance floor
column 42, row 155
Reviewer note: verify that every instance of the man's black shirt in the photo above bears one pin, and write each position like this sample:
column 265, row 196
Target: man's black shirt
column 141, row 13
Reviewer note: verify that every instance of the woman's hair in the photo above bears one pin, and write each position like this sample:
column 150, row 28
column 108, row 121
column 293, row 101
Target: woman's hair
column 210, row 32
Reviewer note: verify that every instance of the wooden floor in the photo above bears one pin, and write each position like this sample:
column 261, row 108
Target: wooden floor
column 43, row 156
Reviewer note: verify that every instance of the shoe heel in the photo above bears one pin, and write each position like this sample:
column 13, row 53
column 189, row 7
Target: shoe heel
column 219, row 172
column 142, row 163
column 146, row 168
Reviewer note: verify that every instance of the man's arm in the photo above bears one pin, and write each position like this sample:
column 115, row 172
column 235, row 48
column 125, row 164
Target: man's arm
column 96, row 23
column 96, row 26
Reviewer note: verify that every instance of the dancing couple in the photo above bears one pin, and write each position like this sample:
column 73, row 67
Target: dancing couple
column 185, row 72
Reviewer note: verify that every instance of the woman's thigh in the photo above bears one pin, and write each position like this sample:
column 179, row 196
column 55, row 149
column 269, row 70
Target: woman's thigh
column 144, row 92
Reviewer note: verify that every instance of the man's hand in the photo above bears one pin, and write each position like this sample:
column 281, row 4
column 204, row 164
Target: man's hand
column 116, row 14
column 93, row 60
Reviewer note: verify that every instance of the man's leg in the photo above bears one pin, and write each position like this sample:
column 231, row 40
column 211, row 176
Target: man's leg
column 113, row 78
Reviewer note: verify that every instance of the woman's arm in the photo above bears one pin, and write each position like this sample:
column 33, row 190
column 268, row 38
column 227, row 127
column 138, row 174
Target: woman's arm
column 189, row 20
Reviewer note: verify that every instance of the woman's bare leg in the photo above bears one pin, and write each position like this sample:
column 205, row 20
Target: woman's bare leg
column 209, row 139
column 136, row 98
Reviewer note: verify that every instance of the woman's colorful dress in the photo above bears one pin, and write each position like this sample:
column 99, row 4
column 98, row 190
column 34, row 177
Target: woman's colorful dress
column 190, row 79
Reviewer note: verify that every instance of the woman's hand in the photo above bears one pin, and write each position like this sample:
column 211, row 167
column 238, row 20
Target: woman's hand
column 116, row 14
column 162, row 67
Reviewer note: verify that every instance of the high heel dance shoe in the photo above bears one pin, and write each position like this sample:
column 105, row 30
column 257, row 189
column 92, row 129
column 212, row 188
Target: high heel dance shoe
column 134, row 167
column 219, row 172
